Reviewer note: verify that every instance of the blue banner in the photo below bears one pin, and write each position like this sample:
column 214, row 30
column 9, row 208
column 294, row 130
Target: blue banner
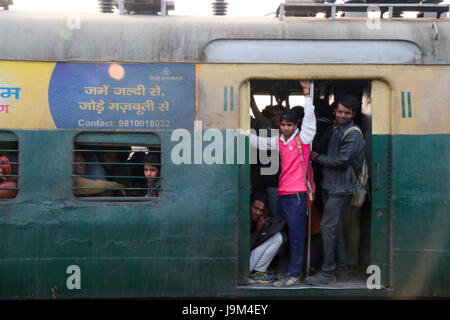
column 123, row 96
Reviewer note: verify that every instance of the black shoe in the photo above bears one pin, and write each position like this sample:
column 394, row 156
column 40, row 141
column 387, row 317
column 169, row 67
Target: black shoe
column 320, row 279
column 342, row 276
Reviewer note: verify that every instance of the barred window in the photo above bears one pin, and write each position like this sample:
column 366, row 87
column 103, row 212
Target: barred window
column 9, row 165
column 117, row 167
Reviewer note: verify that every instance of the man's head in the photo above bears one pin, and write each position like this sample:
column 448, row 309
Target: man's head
column 108, row 158
column 275, row 113
column 152, row 167
column 80, row 168
column 346, row 110
column 257, row 206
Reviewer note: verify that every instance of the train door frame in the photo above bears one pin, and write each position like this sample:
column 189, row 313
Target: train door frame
column 376, row 106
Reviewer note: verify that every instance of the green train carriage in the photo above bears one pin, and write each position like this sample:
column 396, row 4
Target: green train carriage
column 193, row 241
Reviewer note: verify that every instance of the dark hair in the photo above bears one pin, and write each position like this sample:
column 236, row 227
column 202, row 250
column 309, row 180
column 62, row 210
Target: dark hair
column 267, row 112
column 291, row 116
column 349, row 102
column 323, row 109
column 153, row 158
column 300, row 112
column 259, row 196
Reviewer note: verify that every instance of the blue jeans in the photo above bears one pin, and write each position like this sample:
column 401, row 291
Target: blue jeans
column 272, row 200
column 332, row 232
column 293, row 210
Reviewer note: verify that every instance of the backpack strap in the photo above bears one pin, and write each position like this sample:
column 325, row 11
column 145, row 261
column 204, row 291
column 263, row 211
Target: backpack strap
column 352, row 128
column 307, row 183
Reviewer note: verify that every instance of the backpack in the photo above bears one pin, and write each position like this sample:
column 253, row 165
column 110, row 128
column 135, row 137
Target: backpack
column 309, row 177
column 362, row 179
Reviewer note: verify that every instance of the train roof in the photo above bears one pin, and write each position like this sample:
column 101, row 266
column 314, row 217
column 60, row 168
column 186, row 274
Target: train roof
column 180, row 39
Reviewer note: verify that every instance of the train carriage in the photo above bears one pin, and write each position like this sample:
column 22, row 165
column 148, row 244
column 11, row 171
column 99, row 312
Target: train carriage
column 99, row 82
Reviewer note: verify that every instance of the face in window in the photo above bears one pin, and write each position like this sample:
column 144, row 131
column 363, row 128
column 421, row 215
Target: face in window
column 5, row 167
column 151, row 172
column 80, row 168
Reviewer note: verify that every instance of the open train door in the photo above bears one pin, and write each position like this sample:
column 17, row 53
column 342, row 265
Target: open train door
column 375, row 217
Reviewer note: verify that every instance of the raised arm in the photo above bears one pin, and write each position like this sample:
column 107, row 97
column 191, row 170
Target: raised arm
column 308, row 129
column 258, row 114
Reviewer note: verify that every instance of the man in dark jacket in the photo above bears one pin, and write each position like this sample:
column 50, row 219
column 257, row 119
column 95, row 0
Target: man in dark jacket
column 266, row 240
column 338, row 185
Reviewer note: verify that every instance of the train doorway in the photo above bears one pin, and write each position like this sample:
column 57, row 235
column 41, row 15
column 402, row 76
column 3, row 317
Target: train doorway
column 363, row 243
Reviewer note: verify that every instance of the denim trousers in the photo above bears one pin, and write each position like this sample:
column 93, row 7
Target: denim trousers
column 272, row 200
column 332, row 232
column 293, row 210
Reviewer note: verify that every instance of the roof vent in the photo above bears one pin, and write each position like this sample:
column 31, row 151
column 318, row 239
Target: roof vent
column 106, row 6
column 220, row 8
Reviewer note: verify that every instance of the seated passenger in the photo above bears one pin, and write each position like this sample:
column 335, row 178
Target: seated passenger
column 150, row 187
column 152, row 172
column 7, row 184
column 266, row 240
column 108, row 170
column 81, row 182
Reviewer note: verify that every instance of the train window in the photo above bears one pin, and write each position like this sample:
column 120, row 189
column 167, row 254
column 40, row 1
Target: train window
column 117, row 167
column 9, row 166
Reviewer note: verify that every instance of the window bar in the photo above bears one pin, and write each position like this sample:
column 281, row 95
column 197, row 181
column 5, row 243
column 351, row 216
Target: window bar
column 123, row 151
column 101, row 176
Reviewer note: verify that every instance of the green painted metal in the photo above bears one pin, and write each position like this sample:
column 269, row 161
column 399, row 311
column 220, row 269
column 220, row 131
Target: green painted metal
column 420, row 202
column 381, row 211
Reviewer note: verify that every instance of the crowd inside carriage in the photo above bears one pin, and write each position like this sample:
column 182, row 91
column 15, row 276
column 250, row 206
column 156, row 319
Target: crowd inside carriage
column 321, row 156
column 120, row 172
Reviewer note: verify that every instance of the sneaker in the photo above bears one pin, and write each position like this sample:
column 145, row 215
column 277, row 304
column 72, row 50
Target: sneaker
column 320, row 279
column 287, row 281
column 281, row 275
column 261, row 277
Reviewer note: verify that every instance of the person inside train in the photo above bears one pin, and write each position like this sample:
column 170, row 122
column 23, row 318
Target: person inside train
column 292, row 187
column 90, row 187
column 266, row 239
column 8, row 184
column 345, row 149
column 108, row 168
column 151, row 169
column 269, row 119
